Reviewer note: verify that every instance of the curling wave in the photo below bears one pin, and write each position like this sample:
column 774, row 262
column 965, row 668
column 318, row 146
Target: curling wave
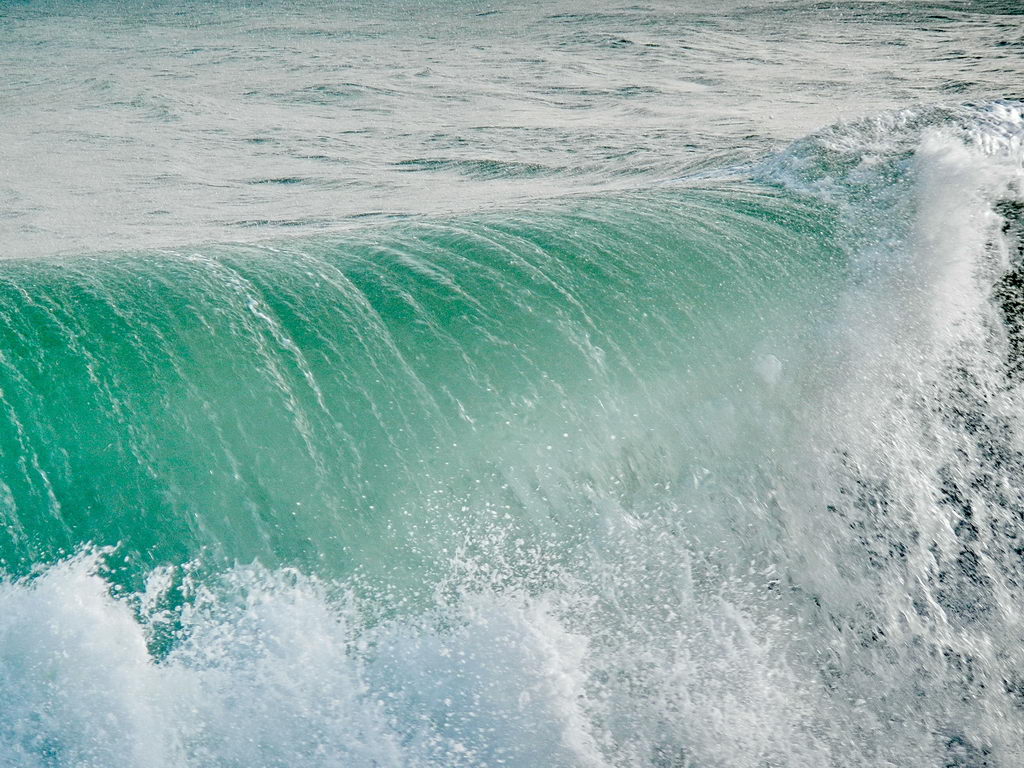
column 716, row 474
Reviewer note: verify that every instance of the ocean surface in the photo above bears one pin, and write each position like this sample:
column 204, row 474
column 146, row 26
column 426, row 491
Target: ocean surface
column 552, row 385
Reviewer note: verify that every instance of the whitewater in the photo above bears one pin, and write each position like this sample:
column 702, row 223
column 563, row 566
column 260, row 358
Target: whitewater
column 458, row 384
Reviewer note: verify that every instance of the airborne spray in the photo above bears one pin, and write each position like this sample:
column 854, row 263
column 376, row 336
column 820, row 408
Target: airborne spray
column 769, row 517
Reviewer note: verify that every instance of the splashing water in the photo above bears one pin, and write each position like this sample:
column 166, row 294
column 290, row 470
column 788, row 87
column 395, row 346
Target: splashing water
column 711, row 463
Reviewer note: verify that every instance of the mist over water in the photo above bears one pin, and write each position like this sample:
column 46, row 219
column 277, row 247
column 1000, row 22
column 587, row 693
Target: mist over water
column 468, row 386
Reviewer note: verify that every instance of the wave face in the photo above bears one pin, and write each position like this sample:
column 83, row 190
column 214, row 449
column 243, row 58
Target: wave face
column 328, row 401
column 711, row 474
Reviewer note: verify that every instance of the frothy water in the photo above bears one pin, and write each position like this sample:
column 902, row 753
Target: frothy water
column 717, row 468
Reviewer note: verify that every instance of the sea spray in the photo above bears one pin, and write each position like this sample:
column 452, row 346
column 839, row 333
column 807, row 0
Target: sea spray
column 715, row 475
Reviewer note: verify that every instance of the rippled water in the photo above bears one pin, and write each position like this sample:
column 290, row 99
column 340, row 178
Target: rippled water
column 153, row 123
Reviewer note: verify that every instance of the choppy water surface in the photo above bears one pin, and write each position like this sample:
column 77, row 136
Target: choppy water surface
column 159, row 123
column 422, row 385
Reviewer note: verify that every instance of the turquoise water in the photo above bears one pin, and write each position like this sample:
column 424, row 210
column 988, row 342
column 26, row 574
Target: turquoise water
column 476, row 386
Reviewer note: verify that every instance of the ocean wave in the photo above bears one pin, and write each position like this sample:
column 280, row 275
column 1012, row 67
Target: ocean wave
column 715, row 474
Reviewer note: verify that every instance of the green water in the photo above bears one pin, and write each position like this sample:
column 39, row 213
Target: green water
column 333, row 403
column 461, row 385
